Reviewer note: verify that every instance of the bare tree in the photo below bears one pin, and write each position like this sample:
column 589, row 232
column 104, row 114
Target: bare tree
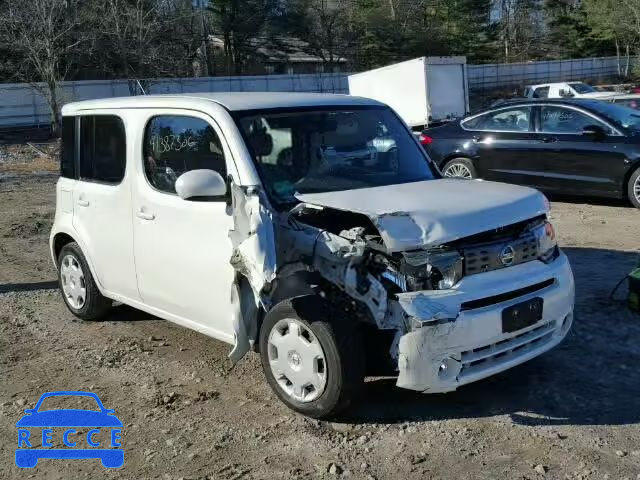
column 617, row 21
column 328, row 29
column 130, row 28
column 241, row 23
column 146, row 38
column 43, row 35
column 516, row 25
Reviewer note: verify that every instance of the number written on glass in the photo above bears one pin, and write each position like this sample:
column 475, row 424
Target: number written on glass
column 172, row 143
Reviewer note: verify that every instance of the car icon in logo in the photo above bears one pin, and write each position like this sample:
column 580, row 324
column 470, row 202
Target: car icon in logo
column 36, row 437
column 507, row 255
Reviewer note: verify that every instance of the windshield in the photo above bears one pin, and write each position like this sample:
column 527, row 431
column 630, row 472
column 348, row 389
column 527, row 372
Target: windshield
column 582, row 87
column 622, row 117
column 326, row 150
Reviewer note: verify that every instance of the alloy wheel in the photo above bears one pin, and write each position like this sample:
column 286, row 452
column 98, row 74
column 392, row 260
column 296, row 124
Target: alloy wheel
column 458, row 170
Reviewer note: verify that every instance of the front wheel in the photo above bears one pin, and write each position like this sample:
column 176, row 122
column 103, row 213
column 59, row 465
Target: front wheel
column 312, row 360
column 460, row 168
column 633, row 189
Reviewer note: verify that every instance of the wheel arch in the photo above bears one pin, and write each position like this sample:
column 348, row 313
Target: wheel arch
column 64, row 237
column 291, row 286
column 635, row 166
column 453, row 156
column 59, row 240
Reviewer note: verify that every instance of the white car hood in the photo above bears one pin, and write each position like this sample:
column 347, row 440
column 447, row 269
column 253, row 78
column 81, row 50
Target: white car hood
column 421, row 214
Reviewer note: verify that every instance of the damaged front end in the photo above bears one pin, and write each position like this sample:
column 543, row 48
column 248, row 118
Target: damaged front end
column 422, row 297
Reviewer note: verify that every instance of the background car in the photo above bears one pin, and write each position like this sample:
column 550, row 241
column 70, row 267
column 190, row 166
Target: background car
column 564, row 90
column 580, row 147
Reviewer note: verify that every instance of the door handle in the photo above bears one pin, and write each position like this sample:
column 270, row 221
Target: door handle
column 144, row 215
column 548, row 139
column 82, row 202
column 482, row 138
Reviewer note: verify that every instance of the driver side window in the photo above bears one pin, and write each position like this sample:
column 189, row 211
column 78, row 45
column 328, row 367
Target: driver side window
column 566, row 120
column 175, row 144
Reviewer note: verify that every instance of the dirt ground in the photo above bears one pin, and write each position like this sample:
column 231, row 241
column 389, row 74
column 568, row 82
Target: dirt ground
column 573, row 413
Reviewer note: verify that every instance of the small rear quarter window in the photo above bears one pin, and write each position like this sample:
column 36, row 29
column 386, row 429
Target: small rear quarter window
column 68, row 148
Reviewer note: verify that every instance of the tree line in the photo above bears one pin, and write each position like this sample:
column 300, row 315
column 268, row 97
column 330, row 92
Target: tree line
column 53, row 40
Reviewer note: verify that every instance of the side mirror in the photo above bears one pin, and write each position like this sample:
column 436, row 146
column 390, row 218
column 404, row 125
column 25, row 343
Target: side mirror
column 201, row 183
column 594, row 131
column 29, row 410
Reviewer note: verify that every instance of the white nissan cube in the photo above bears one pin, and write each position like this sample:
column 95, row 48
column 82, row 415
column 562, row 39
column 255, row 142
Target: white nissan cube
column 311, row 228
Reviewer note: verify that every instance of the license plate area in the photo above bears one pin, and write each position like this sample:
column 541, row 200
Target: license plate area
column 522, row 315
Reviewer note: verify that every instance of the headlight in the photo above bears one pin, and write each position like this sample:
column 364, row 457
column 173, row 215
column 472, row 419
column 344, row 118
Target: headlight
column 434, row 269
column 547, row 243
column 445, row 268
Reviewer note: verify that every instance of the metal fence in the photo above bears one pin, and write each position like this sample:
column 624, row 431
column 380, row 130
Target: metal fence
column 516, row 75
column 21, row 104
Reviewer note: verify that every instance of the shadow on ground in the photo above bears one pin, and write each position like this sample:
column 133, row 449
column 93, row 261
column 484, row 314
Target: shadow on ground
column 593, row 378
column 119, row 313
column 28, row 287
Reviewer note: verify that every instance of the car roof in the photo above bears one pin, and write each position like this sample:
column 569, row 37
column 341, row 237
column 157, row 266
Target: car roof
column 574, row 82
column 233, row 101
column 582, row 102
column 546, row 84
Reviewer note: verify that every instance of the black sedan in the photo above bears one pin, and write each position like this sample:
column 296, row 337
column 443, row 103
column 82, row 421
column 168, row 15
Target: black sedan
column 583, row 147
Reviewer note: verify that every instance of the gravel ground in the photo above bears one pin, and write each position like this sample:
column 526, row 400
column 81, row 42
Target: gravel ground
column 573, row 413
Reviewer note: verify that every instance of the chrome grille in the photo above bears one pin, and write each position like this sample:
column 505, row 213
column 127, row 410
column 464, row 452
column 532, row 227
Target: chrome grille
column 487, row 257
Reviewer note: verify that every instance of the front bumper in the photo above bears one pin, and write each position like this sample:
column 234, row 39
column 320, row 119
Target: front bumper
column 467, row 343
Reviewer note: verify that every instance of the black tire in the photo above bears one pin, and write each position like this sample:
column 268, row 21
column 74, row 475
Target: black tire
column 633, row 188
column 95, row 305
column 342, row 347
column 462, row 162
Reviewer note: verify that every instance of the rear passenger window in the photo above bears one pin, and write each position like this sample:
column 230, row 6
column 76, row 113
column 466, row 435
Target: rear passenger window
column 102, row 148
column 175, row 144
column 68, row 148
column 515, row 119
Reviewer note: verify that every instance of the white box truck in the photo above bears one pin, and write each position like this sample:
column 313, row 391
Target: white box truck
column 422, row 91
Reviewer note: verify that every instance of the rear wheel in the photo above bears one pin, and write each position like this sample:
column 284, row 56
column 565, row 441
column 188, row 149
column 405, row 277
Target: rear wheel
column 460, row 168
column 312, row 360
column 79, row 290
column 633, row 189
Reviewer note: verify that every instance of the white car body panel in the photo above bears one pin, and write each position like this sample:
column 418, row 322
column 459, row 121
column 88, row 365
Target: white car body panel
column 96, row 205
column 181, row 246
